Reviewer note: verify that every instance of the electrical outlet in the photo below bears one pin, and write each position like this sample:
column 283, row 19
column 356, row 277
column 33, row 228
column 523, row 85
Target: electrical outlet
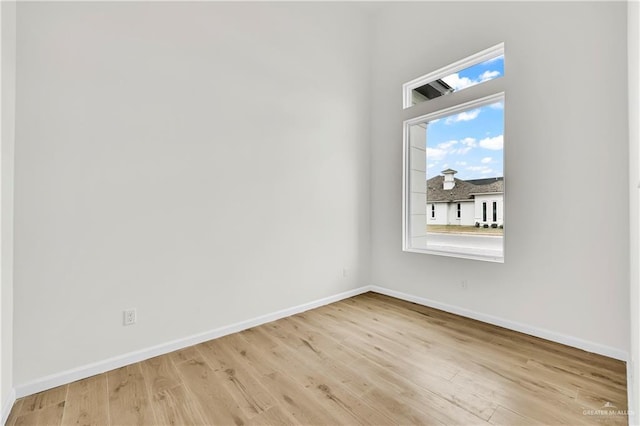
column 129, row 316
column 344, row 272
column 464, row 284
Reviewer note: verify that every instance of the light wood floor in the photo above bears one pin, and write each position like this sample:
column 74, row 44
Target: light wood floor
column 370, row 359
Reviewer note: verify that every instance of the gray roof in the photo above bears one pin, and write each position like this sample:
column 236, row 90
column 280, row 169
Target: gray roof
column 463, row 190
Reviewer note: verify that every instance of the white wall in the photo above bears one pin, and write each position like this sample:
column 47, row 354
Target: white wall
column 633, row 47
column 8, row 12
column 149, row 134
column 466, row 214
column 489, row 199
column 566, row 110
column 204, row 163
column 441, row 214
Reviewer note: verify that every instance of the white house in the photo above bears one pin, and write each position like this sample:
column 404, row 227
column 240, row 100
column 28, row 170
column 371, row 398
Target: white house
column 452, row 201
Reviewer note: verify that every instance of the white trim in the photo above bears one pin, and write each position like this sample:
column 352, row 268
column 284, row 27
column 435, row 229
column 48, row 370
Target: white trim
column 406, row 149
column 631, row 401
column 89, row 370
column 553, row 336
column 99, row 367
column 633, row 111
column 457, row 253
column 485, row 100
column 485, row 55
column 7, row 405
column 406, row 181
column 485, row 193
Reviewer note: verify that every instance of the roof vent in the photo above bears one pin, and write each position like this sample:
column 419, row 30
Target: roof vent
column 449, row 182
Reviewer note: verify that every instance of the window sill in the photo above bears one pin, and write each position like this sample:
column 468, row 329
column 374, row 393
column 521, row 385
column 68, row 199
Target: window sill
column 458, row 252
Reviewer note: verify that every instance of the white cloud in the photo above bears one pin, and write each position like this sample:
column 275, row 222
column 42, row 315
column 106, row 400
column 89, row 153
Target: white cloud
column 429, row 166
column 497, row 105
column 486, row 160
column 481, row 169
column 462, row 151
column 488, row 75
column 451, row 147
column 463, row 116
column 447, row 145
column 495, row 143
column 435, row 154
column 469, row 142
column 458, row 83
column 461, row 163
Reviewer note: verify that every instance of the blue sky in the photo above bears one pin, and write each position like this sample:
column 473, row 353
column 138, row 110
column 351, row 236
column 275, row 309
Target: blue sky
column 470, row 142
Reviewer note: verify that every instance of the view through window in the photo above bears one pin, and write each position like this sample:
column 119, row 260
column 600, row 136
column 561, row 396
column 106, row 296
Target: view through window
column 454, row 170
column 484, row 66
column 457, row 181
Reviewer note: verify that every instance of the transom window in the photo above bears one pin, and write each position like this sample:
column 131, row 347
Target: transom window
column 479, row 68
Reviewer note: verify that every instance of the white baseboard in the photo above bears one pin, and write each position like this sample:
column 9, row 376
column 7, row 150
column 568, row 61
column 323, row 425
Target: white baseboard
column 511, row 325
column 99, row 367
column 7, row 405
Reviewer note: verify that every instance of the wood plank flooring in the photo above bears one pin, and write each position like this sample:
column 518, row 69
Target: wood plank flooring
column 370, row 360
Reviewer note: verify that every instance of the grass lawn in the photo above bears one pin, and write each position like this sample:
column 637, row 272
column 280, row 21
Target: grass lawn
column 457, row 229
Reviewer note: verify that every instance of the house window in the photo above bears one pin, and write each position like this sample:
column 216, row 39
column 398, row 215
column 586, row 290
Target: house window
column 454, row 151
column 483, row 66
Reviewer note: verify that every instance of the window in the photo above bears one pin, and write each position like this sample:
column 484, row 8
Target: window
column 483, row 66
column 453, row 157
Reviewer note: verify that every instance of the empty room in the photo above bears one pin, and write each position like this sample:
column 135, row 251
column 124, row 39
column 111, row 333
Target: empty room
column 320, row 213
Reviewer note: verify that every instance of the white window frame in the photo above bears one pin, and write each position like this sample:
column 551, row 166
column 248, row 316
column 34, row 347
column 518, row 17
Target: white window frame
column 452, row 104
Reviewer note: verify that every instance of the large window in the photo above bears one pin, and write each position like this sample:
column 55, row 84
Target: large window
column 454, row 162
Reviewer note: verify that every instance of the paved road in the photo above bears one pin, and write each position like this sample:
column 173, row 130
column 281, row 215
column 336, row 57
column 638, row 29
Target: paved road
column 474, row 244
